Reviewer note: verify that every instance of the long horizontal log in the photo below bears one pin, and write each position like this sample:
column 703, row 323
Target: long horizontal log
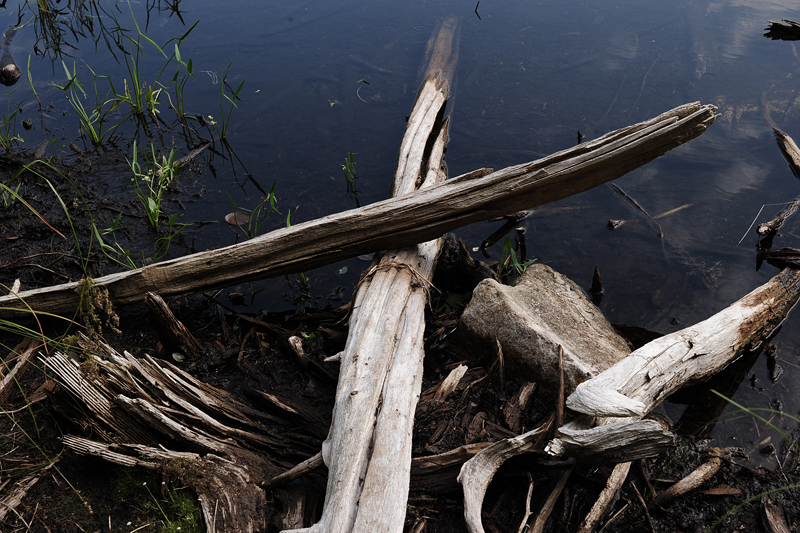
column 397, row 222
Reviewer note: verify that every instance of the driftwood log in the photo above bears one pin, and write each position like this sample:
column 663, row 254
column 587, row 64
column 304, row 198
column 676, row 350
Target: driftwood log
column 633, row 387
column 397, row 222
column 368, row 449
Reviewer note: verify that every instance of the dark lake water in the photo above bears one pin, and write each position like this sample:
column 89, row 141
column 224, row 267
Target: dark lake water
column 530, row 75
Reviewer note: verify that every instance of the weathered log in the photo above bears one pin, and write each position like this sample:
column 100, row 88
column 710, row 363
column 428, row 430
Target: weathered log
column 639, row 382
column 635, row 385
column 368, row 450
column 618, row 442
column 401, row 221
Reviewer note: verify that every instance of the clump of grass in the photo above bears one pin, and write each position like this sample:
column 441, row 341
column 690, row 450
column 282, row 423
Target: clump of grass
column 142, row 97
column 180, row 511
column 226, row 119
column 151, row 181
column 509, row 262
column 177, row 508
column 8, row 130
column 349, row 169
column 259, row 215
column 179, row 84
column 9, row 196
column 123, row 256
column 93, row 119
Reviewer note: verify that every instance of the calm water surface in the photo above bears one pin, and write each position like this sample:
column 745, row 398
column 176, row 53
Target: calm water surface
column 530, row 76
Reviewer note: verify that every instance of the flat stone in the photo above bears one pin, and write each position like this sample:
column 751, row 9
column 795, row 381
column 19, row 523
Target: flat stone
column 544, row 310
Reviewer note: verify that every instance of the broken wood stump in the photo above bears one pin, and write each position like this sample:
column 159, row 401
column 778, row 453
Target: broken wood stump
column 152, row 414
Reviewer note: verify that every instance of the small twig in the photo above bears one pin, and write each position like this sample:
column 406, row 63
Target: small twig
column 702, row 473
column 644, row 80
column 644, row 506
column 606, row 499
column 639, row 207
column 306, row 466
column 560, row 403
column 547, row 508
column 528, row 513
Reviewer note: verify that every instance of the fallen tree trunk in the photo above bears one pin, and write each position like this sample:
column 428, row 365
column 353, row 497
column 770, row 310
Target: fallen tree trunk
column 635, row 385
column 397, row 222
column 368, row 449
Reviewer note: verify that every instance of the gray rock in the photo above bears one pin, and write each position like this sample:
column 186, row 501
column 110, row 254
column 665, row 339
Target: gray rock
column 545, row 309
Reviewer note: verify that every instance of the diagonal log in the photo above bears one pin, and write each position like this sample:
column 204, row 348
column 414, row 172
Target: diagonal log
column 368, row 449
column 397, row 222
column 633, row 387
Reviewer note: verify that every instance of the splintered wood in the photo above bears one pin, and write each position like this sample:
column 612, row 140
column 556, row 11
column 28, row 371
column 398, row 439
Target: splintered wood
column 140, row 405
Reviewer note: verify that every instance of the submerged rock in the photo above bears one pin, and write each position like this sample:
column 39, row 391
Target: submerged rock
column 9, row 71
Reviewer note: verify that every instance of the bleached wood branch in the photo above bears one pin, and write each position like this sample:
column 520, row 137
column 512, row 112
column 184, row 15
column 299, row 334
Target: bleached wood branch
column 644, row 378
column 634, row 386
